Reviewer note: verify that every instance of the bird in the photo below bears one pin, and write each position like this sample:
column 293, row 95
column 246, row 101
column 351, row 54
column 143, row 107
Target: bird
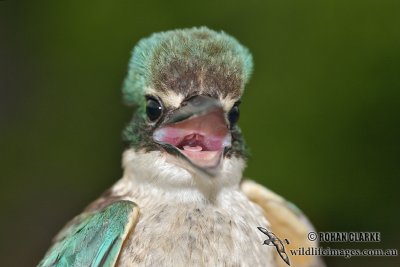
column 182, row 199
column 273, row 240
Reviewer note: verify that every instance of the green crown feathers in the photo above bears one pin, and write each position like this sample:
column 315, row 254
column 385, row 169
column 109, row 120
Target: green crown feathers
column 180, row 58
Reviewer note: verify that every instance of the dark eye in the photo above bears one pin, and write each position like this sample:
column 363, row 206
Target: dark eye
column 233, row 115
column 153, row 109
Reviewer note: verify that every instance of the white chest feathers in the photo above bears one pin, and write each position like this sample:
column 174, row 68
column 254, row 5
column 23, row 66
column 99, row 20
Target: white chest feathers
column 198, row 234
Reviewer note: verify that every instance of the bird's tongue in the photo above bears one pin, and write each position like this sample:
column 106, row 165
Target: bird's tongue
column 193, row 148
column 201, row 139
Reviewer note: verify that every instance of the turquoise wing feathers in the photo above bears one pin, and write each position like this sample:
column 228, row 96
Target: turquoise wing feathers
column 93, row 239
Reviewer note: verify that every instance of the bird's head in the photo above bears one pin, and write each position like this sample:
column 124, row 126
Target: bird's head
column 186, row 86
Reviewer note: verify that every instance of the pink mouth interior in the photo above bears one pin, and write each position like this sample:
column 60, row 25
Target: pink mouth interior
column 201, row 139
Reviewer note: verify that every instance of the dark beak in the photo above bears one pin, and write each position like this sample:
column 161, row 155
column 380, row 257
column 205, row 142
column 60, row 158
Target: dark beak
column 195, row 106
column 197, row 132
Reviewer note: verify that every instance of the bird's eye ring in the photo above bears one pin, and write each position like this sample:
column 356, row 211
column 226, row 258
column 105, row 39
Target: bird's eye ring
column 154, row 109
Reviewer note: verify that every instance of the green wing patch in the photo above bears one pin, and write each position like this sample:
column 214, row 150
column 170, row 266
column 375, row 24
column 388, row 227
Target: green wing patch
column 93, row 239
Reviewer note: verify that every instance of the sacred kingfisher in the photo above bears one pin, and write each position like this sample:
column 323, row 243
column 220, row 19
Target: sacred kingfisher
column 182, row 199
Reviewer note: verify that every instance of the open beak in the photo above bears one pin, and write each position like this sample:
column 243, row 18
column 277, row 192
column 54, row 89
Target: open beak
column 197, row 131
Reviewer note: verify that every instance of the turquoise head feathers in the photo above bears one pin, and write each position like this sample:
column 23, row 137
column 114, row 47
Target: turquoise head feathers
column 185, row 61
column 169, row 68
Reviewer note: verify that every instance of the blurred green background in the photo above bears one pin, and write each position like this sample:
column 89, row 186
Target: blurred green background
column 321, row 113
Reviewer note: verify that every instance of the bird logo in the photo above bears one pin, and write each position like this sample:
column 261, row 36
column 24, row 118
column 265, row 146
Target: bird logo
column 273, row 240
